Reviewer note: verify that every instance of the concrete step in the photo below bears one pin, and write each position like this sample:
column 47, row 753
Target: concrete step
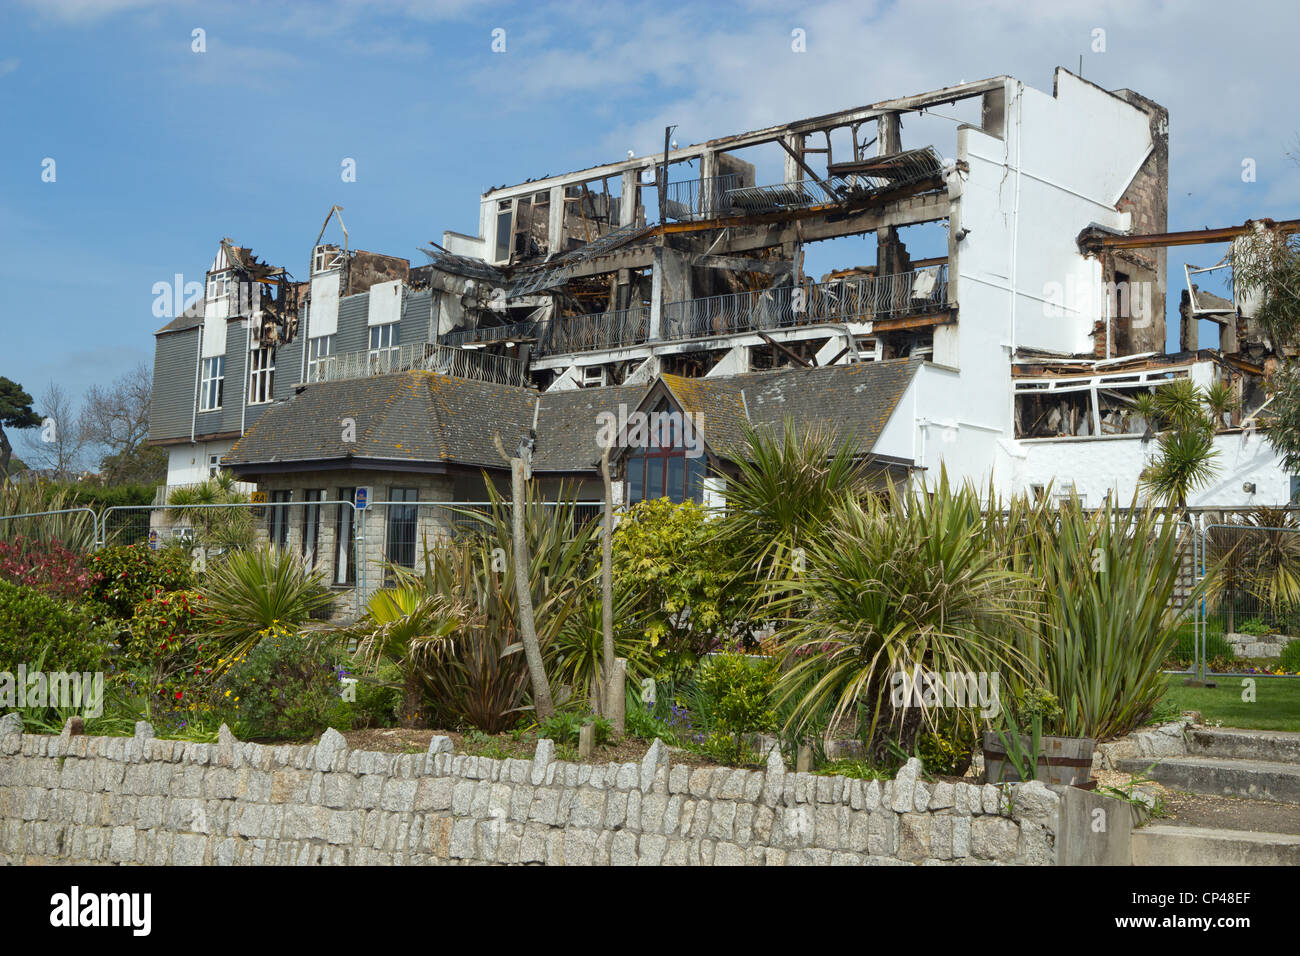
column 1166, row 845
column 1272, row 745
column 1257, row 779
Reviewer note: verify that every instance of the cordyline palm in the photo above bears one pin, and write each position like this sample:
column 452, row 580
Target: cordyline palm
column 251, row 591
column 789, row 483
column 1185, row 455
column 1108, row 579
column 1272, row 542
column 890, row 588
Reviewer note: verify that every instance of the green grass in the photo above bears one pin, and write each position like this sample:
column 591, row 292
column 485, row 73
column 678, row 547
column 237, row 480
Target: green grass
column 1276, row 705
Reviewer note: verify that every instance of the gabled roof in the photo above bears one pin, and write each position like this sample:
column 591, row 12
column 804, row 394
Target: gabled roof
column 854, row 401
column 430, row 419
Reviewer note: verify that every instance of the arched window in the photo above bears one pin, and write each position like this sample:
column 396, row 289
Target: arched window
column 667, row 459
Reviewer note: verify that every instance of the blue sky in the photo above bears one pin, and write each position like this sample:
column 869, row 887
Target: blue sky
column 161, row 151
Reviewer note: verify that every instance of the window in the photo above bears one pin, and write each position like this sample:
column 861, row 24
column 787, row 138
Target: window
column 261, row 375
column 318, row 348
column 345, row 540
column 218, row 286
column 505, row 217
column 662, row 468
column 214, row 465
column 311, row 524
column 277, row 519
column 212, row 385
column 401, row 526
column 383, row 346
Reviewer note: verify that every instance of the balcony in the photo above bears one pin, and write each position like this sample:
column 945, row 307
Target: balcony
column 422, row 356
column 589, row 333
column 484, row 335
column 868, row 299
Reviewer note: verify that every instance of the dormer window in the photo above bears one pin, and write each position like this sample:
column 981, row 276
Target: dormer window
column 218, row 286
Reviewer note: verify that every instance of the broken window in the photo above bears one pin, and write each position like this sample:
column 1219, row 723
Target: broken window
column 383, row 345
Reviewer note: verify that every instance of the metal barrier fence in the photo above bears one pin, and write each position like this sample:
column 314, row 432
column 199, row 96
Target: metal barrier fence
column 472, row 364
column 1252, row 590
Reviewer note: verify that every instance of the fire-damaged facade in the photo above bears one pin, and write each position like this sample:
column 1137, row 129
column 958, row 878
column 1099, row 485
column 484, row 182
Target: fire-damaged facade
column 1005, row 342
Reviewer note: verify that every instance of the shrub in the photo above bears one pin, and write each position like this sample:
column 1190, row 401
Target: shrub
column 1255, row 627
column 734, row 697
column 1216, row 645
column 47, row 566
column 286, row 686
column 669, row 557
column 32, row 624
column 945, row 755
column 162, row 643
column 565, row 727
column 1289, row 660
column 130, row 573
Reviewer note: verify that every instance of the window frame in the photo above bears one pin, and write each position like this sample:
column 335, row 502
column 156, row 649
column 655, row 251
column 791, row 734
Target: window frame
column 261, row 375
column 212, row 384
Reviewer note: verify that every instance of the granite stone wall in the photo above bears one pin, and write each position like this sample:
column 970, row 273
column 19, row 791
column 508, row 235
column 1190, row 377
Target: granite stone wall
column 120, row 800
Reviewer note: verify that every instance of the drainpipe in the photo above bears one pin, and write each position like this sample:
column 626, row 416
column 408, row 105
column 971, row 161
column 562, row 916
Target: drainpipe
column 198, row 367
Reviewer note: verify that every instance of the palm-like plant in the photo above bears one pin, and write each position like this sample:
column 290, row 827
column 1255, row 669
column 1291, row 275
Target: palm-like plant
column 252, row 591
column 223, row 527
column 895, row 587
column 789, row 483
column 412, row 628
column 1185, row 455
column 1273, row 553
column 1108, row 579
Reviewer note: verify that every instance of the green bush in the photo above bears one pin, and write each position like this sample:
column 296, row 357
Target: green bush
column 1254, row 626
column 565, row 726
column 733, row 698
column 32, row 624
column 132, row 572
column 1290, row 658
column 286, row 686
column 1216, row 645
column 946, row 755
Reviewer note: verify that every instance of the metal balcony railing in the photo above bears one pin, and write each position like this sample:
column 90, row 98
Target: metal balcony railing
column 693, row 199
column 604, row 330
column 526, row 329
column 840, row 300
column 473, row 364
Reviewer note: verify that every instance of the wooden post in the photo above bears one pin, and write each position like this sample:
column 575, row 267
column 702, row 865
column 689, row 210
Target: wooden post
column 607, row 585
column 523, row 593
column 586, row 741
column 616, row 697
column 804, row 764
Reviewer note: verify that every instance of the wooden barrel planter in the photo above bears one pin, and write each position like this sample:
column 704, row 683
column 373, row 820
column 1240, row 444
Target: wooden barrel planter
column 1061, row 760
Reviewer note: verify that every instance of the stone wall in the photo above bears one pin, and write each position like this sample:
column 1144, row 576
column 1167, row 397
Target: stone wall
column 78, row 799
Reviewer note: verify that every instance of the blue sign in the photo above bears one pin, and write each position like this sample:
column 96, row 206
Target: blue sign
column 153, row 540
column 362, row 494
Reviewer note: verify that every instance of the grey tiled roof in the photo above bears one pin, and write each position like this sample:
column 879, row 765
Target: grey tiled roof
column 430, row 418
column 853, row 401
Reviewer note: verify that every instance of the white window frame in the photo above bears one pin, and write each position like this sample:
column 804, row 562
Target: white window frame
column 384, row 340
column 218, row 286
column 319, row 348
column 212, row 386
column 261, row 375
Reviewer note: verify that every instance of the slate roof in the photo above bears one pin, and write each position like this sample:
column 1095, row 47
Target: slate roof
column 410, row 416
column 424, row 417
column 854, row 401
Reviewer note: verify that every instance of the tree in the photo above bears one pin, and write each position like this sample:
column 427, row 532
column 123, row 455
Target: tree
column 15, row 412
column 116, row 418
column 1266, row 268
column 60, row 446
column 1185, row 455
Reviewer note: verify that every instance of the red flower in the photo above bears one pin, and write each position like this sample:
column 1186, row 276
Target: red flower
column 178, row 695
